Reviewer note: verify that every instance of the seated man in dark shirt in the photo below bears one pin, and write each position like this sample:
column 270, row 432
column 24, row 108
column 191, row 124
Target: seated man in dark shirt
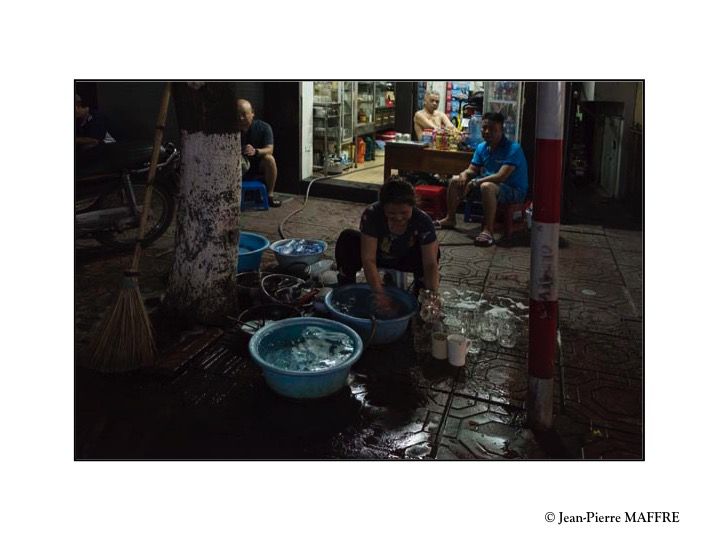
column 393, row 234
column 90, row 126
column 257, row 140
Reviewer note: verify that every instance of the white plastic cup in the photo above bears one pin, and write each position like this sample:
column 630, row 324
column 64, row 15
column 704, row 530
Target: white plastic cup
column 458, row 346
column 439, row 345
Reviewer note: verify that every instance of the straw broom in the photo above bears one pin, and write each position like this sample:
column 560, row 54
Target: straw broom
column 125, row 341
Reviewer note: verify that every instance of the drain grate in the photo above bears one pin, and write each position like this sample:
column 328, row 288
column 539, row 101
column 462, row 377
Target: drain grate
column 209, row 376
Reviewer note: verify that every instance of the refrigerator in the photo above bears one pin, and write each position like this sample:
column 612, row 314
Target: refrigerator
column 505, row 97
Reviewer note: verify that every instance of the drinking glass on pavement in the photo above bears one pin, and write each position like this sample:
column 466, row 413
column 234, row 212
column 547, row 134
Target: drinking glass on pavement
column 489, row 327
column 471, row 324
column 507, row 332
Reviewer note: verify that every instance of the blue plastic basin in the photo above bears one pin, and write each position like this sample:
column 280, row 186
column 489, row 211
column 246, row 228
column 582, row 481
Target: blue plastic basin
column 287, row 259
column 250, row 250
column 302, row 384
column 387, row 330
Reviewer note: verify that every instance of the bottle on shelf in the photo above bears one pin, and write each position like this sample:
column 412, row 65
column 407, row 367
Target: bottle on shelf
column 510, row 128
column 360, row 152
column 474, row 131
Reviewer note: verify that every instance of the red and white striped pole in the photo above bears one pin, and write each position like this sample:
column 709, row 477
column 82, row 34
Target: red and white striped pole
column 544, row 252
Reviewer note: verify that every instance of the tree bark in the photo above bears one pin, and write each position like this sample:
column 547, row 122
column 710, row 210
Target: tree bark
column 202, row 283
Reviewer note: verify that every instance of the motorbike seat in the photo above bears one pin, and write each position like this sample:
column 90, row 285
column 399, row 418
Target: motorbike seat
column 114, row 158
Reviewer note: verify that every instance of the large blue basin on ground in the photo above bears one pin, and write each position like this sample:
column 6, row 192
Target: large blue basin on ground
column 359, row 315
column 302, row 384
column 250, row 249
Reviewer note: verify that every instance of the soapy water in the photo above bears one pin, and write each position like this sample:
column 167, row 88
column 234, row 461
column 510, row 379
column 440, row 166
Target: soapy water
column 457, row 300
column 364, row 306
column 316, row 349
column 300, row 247
column 473, row 313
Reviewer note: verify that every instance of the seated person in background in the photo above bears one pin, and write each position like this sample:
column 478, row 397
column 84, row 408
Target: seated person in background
column 429, row 117
column 90, row 126
column 257, row 140
column 503, row 177
column 393, row 234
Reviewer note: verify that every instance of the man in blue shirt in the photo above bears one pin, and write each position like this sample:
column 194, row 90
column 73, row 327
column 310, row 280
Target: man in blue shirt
column 502, row 177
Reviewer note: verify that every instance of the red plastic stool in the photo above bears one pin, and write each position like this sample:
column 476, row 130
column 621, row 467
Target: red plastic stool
column 513, row 217
column 432, row 200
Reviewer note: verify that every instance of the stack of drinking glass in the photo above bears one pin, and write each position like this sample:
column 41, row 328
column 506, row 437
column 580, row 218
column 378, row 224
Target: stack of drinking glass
column 468, row 313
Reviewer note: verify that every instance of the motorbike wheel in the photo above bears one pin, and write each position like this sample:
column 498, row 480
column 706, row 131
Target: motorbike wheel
column 162, row 210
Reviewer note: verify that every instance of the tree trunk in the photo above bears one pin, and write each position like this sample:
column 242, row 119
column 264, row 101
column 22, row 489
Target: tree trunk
column 202, row 283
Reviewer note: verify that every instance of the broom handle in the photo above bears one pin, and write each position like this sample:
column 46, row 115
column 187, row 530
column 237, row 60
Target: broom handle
column 159, row 133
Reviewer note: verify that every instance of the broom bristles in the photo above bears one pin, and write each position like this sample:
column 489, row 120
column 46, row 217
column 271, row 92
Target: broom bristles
column 125, row 340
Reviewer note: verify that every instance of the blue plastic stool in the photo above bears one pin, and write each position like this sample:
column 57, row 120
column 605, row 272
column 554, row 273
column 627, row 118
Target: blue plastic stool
column 254, row 195
column 473, row 211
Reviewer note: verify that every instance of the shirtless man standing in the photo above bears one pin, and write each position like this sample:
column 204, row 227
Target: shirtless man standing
column 429, row 117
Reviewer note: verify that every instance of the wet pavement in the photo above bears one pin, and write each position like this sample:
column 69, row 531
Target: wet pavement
column 208, row 400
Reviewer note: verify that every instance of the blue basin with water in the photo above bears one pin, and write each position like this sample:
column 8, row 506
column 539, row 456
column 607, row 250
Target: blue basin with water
column 291, row 251
column 353, row 305
column 250, row 249
column 306, row 357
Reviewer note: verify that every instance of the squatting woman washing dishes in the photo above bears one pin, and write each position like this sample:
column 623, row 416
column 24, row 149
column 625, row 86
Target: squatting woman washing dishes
column 393, row 234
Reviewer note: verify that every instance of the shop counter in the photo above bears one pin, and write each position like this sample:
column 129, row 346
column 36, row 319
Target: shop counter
column 409, row 156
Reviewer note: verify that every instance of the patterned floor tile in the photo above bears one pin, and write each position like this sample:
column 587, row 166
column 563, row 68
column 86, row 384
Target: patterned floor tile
column 602, row 269
column 625, row 240
column 610, row 295
column 632, row 276
column 585, row 440
column 588, row 229
column 584, row 316
column 603, row 400
column 498, row 378
column 574, row 239
column 612, row 444
column 637, row 297
column 464, row 270
column 465, row 253
column 633, row 259
column 503, row 278
column 496, row 440
column 615, row 355
column 400, row 405
column 517, row 259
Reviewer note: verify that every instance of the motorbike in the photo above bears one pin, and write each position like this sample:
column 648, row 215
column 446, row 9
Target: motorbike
column 110, row 185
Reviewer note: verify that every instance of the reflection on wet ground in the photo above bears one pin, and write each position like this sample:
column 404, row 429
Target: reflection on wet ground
column 209, row 400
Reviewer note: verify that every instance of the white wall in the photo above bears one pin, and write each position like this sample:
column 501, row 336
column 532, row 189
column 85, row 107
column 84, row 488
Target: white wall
column 306, row 111
column 439, row 87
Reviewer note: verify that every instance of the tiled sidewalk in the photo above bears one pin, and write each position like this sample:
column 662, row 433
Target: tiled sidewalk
column 398, row 405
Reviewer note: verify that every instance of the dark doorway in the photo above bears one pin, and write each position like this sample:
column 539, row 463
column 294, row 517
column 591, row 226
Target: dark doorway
column 282, row 112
